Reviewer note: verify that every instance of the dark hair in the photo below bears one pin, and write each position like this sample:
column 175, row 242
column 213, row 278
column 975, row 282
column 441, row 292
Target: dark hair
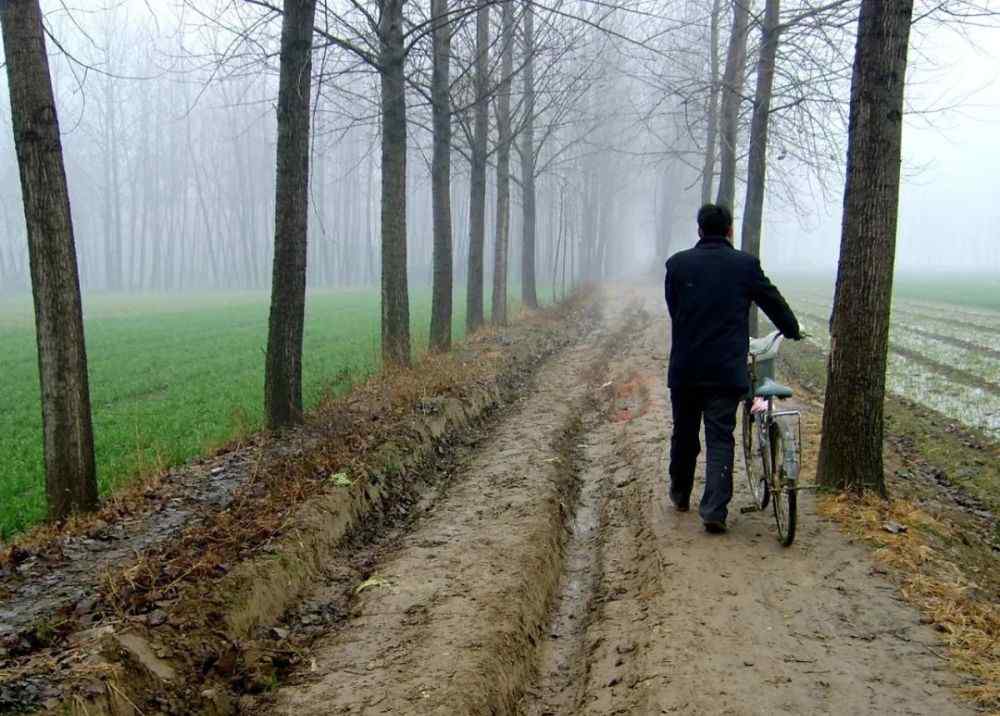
column 714, row 220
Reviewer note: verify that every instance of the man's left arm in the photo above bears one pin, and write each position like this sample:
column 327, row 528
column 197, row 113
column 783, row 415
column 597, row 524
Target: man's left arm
column 766, row 295
column 668, row 292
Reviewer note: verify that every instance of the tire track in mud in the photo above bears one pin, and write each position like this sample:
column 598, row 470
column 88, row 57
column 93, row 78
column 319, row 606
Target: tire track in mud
column 450, row 616
column 678, row 621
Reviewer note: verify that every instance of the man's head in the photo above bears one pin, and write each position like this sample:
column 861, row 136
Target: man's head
column 715, row 220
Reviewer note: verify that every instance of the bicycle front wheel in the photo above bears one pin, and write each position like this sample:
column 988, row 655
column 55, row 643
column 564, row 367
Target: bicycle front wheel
column 783, row 482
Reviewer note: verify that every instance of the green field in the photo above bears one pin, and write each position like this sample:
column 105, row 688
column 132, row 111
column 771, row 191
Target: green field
column 174, row 376
column 966, row 290
column 973, row 291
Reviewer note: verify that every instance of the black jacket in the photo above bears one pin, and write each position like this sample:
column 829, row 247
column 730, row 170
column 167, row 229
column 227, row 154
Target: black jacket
column 709, row 290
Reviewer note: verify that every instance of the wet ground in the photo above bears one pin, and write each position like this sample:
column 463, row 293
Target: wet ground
column 549, row 575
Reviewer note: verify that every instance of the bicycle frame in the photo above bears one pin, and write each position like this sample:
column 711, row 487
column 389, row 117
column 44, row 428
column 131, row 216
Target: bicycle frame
column 763, row 422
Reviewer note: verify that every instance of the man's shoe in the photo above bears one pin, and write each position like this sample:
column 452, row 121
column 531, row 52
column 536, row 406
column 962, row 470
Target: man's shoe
column 715, row 527
column 681, row 505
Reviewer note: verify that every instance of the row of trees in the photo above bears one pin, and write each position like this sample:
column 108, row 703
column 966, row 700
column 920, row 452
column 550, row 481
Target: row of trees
column 201, row 209
column 600, row 122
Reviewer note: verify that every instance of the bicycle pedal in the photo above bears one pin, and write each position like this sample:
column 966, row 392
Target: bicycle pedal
column 748, row 509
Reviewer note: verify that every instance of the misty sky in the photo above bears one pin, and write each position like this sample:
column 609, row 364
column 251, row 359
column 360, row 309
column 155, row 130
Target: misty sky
column 949, row 217
column 949, row 213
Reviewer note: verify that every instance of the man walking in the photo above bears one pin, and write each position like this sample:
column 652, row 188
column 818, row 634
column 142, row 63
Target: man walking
column 709, row 290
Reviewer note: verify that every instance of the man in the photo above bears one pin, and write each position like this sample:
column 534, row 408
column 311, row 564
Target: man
column 709, row 290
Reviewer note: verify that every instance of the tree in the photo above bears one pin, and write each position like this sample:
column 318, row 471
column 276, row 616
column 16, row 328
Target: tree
column 712, row 129
column 850, row 456
column 753, row 210
column 440, row 338
column 504, row 139
column 477, row 174
column 529, row 292
column 732, row 93
column 70, row 472
column 283, row 370
column 395, row 290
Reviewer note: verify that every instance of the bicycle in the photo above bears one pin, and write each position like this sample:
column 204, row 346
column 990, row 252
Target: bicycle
column 774, row 435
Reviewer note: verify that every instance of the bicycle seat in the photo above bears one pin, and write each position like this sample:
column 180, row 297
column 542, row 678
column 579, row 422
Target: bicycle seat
column 772, row 389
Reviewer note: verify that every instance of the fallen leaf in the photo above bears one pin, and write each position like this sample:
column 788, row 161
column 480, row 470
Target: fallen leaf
column 369, row 583
column 341, row 480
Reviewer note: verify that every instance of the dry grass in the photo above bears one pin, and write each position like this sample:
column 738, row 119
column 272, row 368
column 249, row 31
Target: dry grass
column 968, row 622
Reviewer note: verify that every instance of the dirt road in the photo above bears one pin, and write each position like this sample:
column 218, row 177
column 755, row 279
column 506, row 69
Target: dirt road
column 548, row 575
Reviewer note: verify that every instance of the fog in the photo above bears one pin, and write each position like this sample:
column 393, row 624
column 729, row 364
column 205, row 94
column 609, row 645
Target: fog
column 949, row 218
column 168, row 120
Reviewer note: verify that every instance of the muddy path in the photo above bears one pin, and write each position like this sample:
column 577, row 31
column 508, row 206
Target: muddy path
column 549, row 576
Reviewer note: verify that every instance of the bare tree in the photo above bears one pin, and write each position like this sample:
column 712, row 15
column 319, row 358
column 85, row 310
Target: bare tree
column 441, row 308
column 283, row 370
column 753, row 210
column 732, row 94
column 712, row 120
column 850, row 455
column 529, row 291
column 477, row 178
column 395, row 291
column 70, row 472
column 504, row 139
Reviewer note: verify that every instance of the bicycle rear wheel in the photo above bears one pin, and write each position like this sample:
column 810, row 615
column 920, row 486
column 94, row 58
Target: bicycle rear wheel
column 756, row 467
column 783, row 492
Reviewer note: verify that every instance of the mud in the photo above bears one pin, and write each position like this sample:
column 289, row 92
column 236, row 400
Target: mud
column 448, row 623
column 551, row 580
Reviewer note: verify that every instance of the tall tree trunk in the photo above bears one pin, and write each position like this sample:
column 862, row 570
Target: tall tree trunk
column 477, row 179
column 68, row 439
column 850, row 455
column 112, row 194
column 753, row 211
column 499, row 312
column 708, row 168
column 732, row 91
column 395, row 293
column 283, row 367
column 529, row 291
column 372, row 262
column 440, row 337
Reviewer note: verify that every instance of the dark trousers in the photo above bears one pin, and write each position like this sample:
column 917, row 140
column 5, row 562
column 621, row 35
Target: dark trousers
column 719, row 412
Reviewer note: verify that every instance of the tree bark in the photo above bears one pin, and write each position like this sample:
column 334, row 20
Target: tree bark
column 68, row 439
column 529, row 291
column 283, row 367
column 477, row 181
column 499, row 312
column 395, row 291
column 441, row 308
column 708, row 168
column 850, row 456
column 753, row 211
column 732, row 91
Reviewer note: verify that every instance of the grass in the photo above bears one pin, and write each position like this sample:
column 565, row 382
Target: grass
column 173, row 377
column 931, row 580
